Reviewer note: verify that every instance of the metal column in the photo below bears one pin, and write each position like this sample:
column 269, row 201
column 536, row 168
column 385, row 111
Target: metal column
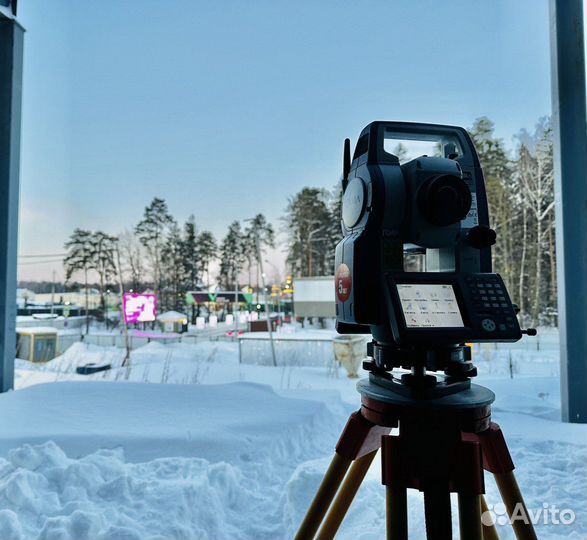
column 11, row 45
column 570, row 160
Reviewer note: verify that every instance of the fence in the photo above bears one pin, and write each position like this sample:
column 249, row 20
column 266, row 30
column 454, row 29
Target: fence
column 546, row 340
column 288, row 351
column 531, row 356
column 59, row 323
column 64, row 341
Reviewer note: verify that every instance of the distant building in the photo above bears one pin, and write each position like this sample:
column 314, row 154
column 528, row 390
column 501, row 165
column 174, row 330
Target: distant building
column 24, row 297
column 173, row 321
column 78, row 298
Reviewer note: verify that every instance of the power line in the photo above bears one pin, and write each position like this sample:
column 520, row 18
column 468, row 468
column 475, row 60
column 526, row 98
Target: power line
column 41, row 262
column 44, row 255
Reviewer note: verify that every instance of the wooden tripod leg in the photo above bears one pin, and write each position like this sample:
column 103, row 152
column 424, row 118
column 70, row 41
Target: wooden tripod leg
column 345, row 496
column 497, row 460
column 326, row 492
column 515, row 505
column 396, row 512
column 489, row 531
column 470, row 516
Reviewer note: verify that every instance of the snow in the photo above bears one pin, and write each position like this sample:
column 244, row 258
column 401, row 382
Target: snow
column 172, row 316
column 229, row 450
column 153, row 420
column 247, row 440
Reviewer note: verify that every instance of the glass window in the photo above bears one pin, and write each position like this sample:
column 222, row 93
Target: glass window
column 407, row 146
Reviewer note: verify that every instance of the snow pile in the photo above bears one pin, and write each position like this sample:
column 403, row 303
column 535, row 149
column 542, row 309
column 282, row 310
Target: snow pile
column 45, row 494
column 217, row 422
column 231, row 461
column 213, row 459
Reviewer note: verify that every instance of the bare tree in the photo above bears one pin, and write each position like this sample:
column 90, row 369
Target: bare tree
column 133, row 259
column 536, row 177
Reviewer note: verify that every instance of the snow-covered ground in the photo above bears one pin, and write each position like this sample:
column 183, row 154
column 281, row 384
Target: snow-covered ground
column 228, row 450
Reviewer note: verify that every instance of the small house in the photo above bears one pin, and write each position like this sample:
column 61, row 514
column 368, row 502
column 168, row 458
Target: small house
column 173, row 321
column 36, row 344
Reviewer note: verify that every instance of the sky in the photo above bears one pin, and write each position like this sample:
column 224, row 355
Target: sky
column 227, row 108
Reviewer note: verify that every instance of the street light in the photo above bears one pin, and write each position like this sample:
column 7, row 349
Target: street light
column 279, row 295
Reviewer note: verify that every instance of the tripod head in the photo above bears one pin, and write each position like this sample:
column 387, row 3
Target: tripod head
column 416, row 192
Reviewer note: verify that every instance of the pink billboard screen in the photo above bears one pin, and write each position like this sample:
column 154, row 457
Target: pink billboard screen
column 139, row 308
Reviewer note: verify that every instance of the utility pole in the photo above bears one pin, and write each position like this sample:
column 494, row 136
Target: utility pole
column 126, row 361
column 53, row 293
column 234, row 312
column 267, row 312
column 278, row 275
column 87, row 301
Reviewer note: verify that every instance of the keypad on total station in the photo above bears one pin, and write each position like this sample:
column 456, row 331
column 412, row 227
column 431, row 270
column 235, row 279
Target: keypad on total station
column 488, row 293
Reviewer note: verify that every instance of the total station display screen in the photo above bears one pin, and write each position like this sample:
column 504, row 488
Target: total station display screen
column 430, row 306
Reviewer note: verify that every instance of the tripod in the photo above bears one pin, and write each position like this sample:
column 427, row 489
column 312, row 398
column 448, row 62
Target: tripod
column 444, row 444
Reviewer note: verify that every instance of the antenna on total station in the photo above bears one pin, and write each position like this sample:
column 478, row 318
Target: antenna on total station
column 346, row 164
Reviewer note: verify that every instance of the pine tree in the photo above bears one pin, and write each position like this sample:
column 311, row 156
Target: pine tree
column 207, row 250
column 79, row 257
column 258, row 227
column 192, row 266
column 174, row 278
column 335, row 228
column 502, row 195
column 190, row 255
column 103, row 262
column 151, row 233
column 308, row 227
column 232, row 256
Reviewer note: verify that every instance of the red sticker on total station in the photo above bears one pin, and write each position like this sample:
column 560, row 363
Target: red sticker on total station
column 343, row 282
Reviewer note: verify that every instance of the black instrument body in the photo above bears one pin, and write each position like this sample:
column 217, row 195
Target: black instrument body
column 434, row 205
